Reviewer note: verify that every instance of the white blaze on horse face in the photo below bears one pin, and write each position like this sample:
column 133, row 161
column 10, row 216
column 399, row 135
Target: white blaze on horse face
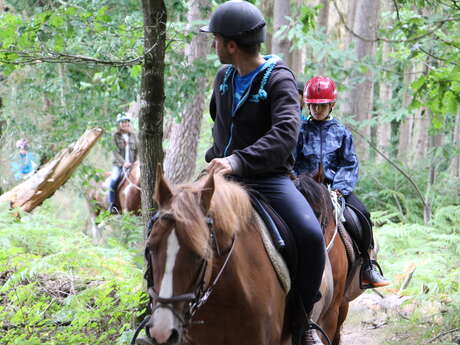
column 163, row 318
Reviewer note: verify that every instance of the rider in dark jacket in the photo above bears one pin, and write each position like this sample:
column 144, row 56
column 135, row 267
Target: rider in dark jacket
column 325, row 146
column 255, row 110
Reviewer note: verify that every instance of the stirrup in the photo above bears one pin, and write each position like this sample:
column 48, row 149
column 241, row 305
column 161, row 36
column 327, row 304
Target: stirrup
column 311, row 327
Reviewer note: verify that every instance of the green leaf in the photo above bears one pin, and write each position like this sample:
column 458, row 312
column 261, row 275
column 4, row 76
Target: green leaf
column 449, row 103
column 136, row 71
column 417, row 84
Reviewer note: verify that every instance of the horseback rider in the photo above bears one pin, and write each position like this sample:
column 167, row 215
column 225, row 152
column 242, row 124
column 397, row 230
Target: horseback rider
column 325, row 146
column 25, row 163
column 255, row 110
column 125, row 154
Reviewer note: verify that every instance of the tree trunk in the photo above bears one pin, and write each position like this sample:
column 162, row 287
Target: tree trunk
column 383, row 137
column 297, row 55
column 366, row 27
column 152, row 100
column 361, row 95
column 351, row 15
column 323, row 17
column 267, row 10
column 180, row 160
column 281, row 10
column 434, row 141
column 41, row 185
column 420, row 138
column 455, row 165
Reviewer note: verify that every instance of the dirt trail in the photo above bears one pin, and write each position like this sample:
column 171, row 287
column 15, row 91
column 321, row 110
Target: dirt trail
column 367, row 320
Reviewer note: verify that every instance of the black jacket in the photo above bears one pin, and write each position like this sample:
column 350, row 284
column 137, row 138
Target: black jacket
column 263, row 130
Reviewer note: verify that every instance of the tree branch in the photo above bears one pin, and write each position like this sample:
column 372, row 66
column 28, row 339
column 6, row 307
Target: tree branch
column 437, row 57
column 26, row 57
column 438, row 25
column 397, row 10
column 394, row 165
column 443, row 334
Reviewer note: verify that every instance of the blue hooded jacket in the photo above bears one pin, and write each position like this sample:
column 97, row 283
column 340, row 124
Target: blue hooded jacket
column 329, row 142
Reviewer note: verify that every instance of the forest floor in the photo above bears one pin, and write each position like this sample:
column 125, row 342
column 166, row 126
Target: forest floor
column 368, row 321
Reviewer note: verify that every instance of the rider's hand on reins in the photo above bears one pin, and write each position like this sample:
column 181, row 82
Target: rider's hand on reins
column 219, row 166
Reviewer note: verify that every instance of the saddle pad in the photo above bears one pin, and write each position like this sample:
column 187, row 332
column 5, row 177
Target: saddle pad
column 275, row 257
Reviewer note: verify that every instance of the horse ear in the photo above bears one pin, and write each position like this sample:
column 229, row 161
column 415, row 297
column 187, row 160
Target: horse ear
column 206, row 193
column 163, row 193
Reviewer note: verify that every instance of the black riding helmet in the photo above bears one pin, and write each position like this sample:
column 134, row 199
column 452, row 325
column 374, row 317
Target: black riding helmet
column 238, row 20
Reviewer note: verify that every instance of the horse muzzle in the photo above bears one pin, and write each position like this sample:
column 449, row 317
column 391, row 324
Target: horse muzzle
column 165, row 327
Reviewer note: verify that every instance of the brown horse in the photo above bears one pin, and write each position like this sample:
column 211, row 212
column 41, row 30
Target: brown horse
column 129, row 190
column 343, row 285
column 128, row 198
column 212, row 281
column 219, row 260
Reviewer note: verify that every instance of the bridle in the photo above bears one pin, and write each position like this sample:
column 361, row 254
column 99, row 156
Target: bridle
column 200, row 292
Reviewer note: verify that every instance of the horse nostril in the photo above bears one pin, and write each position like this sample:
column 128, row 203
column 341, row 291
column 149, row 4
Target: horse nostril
column 174, row 337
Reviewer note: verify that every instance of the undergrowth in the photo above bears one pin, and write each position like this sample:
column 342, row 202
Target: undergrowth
column 427, row 260
column 56, row 287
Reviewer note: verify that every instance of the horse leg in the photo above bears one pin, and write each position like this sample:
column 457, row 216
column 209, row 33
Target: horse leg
column 343, row 312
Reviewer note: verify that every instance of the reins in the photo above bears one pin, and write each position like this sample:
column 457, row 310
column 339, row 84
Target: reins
column 126, row 176
column 200, row 293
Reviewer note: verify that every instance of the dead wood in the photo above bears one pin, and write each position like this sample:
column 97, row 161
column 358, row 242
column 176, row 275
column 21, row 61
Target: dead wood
column 44, row 183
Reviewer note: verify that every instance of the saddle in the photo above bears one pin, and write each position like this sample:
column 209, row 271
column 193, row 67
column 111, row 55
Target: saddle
column 281, row 237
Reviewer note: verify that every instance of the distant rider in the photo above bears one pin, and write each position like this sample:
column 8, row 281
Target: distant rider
column 25, row 162
column 125, row 154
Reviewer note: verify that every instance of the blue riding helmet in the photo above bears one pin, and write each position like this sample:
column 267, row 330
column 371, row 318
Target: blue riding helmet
column 123, row 117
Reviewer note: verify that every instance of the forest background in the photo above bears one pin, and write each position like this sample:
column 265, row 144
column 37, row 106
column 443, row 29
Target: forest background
column 66, row 66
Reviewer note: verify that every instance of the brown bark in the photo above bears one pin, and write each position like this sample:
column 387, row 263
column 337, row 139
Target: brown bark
column 420, row 138
column 297, row 55
column 267, row 10
column 386, row 94
column 40, row 186
column 455, row 165
column 383, row 130
column 180, row 160
column 361, row 95
column 280, row 46
column 413, row 131
column 323, row 17
column 152, row 100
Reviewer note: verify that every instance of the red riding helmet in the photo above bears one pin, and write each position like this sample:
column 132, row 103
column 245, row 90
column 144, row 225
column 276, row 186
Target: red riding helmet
column 320, row 90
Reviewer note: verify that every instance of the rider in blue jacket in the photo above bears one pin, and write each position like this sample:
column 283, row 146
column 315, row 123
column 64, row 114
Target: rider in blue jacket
column 325, row 146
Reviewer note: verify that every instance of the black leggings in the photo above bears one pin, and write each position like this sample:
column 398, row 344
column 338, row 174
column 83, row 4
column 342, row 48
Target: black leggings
column 294, row 209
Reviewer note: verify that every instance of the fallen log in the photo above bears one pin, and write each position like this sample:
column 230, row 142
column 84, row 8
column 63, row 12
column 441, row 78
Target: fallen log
column 44, row 183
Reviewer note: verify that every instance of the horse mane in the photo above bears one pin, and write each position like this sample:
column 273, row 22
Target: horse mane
column 317, row 196
column 230, row 210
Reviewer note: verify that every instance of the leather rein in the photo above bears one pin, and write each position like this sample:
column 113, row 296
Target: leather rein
column 200, row 292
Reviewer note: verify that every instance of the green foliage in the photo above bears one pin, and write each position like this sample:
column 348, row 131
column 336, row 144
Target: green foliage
column 58, row 288
column 432, row 253
column 429, row 36
column 385, row 190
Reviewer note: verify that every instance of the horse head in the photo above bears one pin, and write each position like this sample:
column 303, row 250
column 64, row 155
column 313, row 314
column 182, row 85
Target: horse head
column 180, row 257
